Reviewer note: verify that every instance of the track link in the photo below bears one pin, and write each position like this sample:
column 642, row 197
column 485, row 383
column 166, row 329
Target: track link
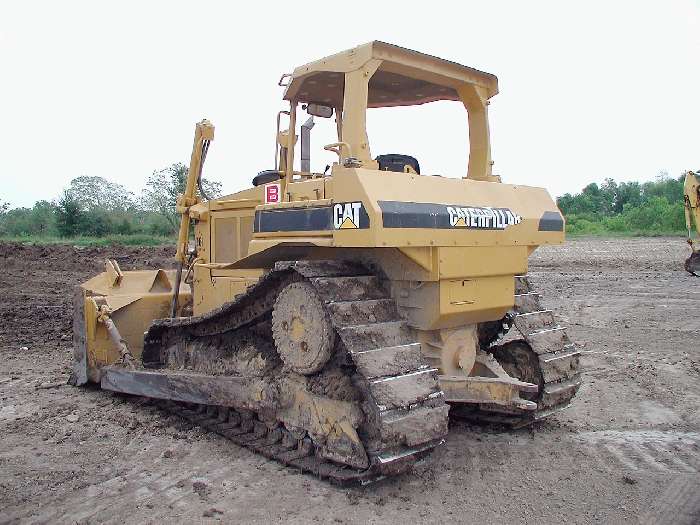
column 292, row 449
column 405, row 415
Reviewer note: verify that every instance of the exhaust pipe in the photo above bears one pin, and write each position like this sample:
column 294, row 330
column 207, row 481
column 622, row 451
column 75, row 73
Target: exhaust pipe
column 306, row 145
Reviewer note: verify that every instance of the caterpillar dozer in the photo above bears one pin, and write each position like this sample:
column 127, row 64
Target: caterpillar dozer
column 331, row 321
column 691, row 201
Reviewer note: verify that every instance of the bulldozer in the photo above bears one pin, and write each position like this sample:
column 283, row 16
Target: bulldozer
column 691, row 202
column 333, row 321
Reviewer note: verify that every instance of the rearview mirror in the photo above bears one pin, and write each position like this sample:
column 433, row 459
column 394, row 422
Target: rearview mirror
column 318, row 110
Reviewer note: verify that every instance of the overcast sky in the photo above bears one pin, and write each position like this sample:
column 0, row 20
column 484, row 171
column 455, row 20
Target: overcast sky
column 588, row 89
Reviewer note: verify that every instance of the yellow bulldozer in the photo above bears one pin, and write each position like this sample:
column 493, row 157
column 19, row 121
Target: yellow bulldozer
column 331, row 321
column 691, row 201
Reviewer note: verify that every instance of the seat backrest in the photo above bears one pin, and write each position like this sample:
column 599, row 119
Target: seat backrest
column 265, row 177
column 396, row 162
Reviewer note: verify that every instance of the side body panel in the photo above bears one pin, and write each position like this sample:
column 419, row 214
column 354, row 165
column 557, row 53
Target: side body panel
column 450, row 247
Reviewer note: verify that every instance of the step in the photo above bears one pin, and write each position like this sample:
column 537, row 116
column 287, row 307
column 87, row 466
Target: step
column 347, row 313
column 560, row 366
column 534, row 321
column 348, row 288
column 548, row 341
column 415, row 426
column 543, row 414
column 363, row 337
column 391, row 463
column 527, row 302
column 560, row 393
column 389, row 361
column 521, row 284
column 404, row 390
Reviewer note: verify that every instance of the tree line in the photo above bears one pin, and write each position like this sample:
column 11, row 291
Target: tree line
column 96, row 207
column 654, row 207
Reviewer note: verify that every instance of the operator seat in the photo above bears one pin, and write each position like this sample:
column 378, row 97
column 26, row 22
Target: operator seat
column 396, row 162
column 265, row 177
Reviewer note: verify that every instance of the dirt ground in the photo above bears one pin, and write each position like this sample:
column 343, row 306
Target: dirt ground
column 626, row 451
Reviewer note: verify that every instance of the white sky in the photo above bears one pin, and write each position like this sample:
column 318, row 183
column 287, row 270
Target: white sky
column 588, row 89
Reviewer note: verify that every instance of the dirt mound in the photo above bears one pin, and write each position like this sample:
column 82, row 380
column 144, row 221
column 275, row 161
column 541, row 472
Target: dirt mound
column 75, row 258
column 37, row 284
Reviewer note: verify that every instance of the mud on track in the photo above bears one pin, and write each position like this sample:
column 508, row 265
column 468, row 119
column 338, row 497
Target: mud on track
column 627, row 451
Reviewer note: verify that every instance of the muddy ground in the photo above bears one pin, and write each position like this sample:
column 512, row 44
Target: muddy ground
column 626, row 451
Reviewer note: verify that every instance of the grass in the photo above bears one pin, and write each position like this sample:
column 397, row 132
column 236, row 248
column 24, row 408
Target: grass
column 616, row 234
column 109, row 240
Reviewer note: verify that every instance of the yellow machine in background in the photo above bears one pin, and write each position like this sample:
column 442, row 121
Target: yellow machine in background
column 691, row 200
column 337, row 316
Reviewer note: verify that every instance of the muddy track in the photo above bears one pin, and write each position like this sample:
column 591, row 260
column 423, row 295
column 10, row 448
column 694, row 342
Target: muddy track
column 405, row 415
column 553, row 361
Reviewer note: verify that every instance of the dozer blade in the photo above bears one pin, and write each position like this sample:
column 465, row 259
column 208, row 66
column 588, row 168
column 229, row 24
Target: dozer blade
column 692, row 264
column 133, row 300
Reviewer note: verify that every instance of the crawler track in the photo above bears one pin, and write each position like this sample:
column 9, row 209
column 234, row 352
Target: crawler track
column 247, row 430
column 556, row 367
column 404, row 413
column 557, row 355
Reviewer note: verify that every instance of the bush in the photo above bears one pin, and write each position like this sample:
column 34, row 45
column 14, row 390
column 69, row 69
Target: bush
column 652, row 208
column 583, row 226
column 617, row 224
column 124, row 227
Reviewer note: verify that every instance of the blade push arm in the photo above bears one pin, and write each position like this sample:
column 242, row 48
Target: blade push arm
column 691, row 199
column 203, row 135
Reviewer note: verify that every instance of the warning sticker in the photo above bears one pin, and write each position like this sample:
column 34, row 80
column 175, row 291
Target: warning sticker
column 272, row 193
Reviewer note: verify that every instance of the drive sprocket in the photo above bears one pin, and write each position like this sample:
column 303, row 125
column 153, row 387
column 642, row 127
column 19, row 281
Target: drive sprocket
column 302, row 328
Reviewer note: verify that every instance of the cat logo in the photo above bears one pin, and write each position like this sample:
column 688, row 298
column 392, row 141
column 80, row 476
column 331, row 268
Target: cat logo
column 346, row 215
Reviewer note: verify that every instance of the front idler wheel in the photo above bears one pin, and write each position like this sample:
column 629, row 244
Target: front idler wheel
column 692, row 264
column 521, row 362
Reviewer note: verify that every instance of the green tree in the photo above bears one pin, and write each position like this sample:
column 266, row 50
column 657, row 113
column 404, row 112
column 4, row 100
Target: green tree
column 38, row 220
column 652, row 207
column 124, row 227
column 628, row 193
column 98, row 193
column 665, row 187
column 43, row 218
column 163, row 187
column 16, row 222
column 70, row 218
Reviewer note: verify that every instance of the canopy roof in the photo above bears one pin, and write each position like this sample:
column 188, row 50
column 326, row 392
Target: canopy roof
column 404, row 77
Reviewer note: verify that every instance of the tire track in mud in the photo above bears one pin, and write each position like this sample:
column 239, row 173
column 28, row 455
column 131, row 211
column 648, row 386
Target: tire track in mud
column 661, row 451
column 679, row 504
column 154, row 479
column 167, row 482
column 665, row 452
